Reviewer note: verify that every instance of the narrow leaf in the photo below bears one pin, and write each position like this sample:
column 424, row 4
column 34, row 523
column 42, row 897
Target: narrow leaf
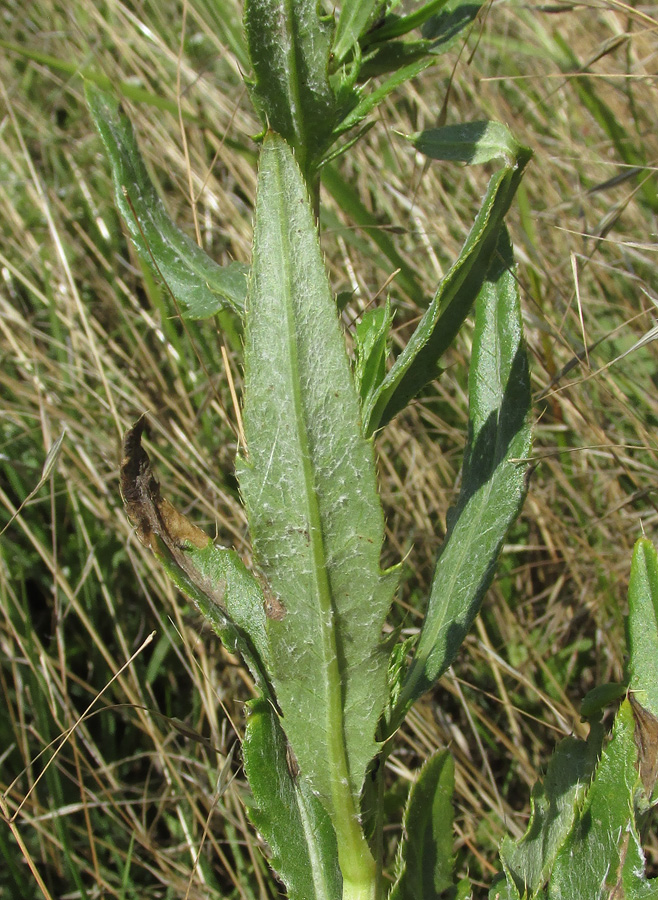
column 214, row 578
column 417, row 364
column 308, row 483
column 371, row 100
column 200, row 285
column 426, row 859
column 395, row 26
column 286, row 813
column 642, row 625
column 49, row 464
column 352, row 22
column 493, row 485
column 469, row 142
column 289, row 44
column 371, row 349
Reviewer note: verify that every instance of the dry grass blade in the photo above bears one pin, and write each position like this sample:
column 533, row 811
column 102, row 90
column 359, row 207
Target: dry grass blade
column 132, row 803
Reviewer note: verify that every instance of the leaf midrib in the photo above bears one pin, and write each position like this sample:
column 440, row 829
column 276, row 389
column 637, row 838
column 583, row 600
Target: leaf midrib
column 331, row 680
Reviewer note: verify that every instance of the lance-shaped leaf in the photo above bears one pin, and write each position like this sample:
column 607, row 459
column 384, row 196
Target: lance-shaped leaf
column 441, row 31
column 425, row 859
column 308, row 482
column 287, row 813
column 214, row 578
column 289, row 45
column 418, row 363
column 202, row 287
column 494, row 476
column 371, row 340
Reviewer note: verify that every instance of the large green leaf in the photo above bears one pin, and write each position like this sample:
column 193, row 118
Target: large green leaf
column 200, row 285
column 289, row 45
column 287, row 813
column 494, row 475
column 308, row 482
column 583, row 838
column 417, row 364
column 426, row 858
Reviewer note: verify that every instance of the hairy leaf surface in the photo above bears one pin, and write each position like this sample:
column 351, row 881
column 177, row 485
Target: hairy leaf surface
column 308, row 481
column 289, row 44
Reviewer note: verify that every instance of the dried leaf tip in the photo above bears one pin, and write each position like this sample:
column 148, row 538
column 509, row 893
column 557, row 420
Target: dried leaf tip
column 149, row 512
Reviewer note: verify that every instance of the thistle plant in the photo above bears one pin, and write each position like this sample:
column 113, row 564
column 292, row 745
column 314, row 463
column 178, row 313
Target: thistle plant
column 308, row 619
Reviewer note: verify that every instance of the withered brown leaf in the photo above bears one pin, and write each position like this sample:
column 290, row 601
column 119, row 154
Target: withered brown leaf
column 155, row 518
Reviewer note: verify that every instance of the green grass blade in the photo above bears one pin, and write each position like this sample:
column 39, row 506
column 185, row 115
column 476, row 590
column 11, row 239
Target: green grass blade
column 494, row 476
column 200, row 285
column 287, row 814
column 417, row 364
column 289, row 44
column 72, row 67
column 347, row 197
column 308, row 481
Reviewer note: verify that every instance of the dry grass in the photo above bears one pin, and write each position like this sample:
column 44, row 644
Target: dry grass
column 145, row 796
